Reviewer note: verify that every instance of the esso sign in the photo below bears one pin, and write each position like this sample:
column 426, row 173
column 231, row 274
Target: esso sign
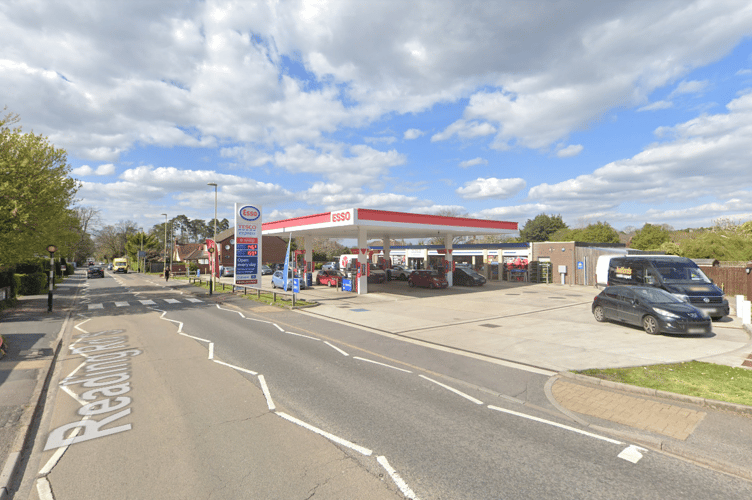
column 250, row 213
column 341, row 216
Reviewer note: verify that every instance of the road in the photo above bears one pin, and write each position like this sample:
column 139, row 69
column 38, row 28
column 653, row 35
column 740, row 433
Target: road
column 409, row 421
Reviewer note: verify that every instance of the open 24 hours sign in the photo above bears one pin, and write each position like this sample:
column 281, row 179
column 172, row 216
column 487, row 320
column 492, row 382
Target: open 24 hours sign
column 247, row 244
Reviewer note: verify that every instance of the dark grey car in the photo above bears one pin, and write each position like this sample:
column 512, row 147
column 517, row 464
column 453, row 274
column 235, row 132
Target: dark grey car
column 652, row 308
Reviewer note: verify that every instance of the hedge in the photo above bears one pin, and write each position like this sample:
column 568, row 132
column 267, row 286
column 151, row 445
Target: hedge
column 30, row 284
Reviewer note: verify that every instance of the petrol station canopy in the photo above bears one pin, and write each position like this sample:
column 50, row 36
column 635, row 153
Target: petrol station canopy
column 385, row 225
column 363, row 224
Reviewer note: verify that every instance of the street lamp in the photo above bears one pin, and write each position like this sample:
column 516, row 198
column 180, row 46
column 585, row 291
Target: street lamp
column 142, row 252
column 52, row 249
column 214, row 263
column 164, row 268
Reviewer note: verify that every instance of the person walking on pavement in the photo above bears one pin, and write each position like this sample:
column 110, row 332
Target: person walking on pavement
column 167, row 274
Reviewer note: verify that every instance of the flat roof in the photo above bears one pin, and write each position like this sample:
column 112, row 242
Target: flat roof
column 347, row 223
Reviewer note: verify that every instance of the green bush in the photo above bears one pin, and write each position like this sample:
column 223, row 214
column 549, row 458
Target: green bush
column 30, row 284
column 32, row 266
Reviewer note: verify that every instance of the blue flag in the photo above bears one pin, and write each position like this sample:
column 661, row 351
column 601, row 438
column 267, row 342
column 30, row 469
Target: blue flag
column 287, row 263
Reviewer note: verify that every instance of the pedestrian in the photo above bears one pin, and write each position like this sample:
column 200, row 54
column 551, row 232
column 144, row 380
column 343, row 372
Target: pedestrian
column 167, row 274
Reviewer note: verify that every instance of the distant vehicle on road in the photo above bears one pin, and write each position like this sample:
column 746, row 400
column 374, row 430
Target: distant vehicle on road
column 120, row 265
column 652, row 308
column 94, row 272
column 427, row 278
column 228, row 271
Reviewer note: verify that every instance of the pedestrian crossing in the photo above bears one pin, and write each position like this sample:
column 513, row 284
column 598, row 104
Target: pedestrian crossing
column 145, row 302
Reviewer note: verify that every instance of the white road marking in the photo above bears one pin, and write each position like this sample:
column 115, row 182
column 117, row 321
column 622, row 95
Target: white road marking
column 331, row 437
column 172, row 301
column 96, row 306
column 44, row 489
column 235, row 367
column 336, row 348
column 195, row 338
column 267, row 394
column 561, row 426
column 401, row 484
column 211, row 350
column 631, row 453
column 301, row 335
column 459, row 393
column 148, row 302
column 278, row 327
column 194, row 300
column 232, row 311
column 122, row 304
column 382, row 364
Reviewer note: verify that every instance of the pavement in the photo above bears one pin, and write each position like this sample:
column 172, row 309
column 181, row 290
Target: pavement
column 546, row 328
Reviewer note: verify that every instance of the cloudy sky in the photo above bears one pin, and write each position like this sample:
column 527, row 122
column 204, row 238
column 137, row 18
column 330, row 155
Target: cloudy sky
column 620, row 111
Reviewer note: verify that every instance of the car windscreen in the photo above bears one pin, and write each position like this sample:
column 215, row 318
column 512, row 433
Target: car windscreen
column 655, row 296
column 471, row 272
column 677, row 272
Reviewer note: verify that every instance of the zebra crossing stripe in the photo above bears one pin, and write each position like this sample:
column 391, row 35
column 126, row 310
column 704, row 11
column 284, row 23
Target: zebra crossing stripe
column 148, row 302
column 194, row 300
column 172, row 301
column 96, row 306
column 122, row 304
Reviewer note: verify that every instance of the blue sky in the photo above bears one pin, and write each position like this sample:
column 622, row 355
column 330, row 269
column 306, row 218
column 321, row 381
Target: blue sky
column 628, row 112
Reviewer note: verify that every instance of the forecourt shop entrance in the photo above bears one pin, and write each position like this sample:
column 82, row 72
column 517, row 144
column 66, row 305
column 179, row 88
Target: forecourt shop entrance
column 363, row 224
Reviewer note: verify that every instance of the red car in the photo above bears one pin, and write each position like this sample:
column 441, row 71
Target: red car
column 329, row 277
column 427, row 278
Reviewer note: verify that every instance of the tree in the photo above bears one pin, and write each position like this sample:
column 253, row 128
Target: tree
column 151, row 245
column 650, row 237
column 111, row 240
column 541, row 228
column 35, row 194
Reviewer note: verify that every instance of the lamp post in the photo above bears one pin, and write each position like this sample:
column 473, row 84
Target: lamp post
column 164, row 268
column 141, row 253
column 52, row 249
column 214, row 263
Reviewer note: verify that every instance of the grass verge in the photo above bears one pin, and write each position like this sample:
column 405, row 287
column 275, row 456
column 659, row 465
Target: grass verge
column 263, row 297
column 692, row 378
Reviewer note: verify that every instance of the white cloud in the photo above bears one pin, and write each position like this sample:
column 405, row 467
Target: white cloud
column 569, row 151
column 86, row 170
column 657, row 105
column 413, row 133
column 689, row 87
column 491, row 188
column 473, row 162
column 465, row 129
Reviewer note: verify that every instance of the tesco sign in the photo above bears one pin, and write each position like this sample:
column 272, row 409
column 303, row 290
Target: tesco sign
column 249, row 213
column 341, row 216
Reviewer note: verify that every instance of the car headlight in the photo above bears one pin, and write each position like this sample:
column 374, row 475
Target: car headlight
column 682, row 297
column 666, row 314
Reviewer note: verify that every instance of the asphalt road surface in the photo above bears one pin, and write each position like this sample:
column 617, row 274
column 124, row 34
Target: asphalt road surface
column 407, row 420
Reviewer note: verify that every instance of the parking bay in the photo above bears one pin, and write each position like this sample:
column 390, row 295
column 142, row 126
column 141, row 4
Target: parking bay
column 543, row 325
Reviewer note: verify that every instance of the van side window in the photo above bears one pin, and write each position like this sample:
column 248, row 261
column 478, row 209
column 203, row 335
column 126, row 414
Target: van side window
column 651, row 277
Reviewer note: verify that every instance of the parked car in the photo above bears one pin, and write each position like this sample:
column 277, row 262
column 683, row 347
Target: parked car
column 330, row 265
column 677, row 275
column 399, row 272
column 428, row 278
column 330, row 277
column 94, row 272
column 376, row 275
column 228, row 271
column 266, row 270
column 278, row 280
column 109, row 267
column 652, row 308
column 466, row 276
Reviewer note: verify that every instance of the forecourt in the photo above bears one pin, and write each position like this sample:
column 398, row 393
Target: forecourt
column 363, row 223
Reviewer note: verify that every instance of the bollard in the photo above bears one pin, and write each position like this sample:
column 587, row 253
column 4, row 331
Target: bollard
column 739, row 305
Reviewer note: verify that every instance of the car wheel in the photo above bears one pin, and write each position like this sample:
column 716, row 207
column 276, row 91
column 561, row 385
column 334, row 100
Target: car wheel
column 410, row 283
column 403, row 277
column 599, row 315
column 650, row 324
column 273, row 285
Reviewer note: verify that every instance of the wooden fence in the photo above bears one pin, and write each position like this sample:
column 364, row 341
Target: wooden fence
column 732, row 280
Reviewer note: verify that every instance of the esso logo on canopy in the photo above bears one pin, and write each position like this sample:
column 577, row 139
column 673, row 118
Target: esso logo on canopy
column 250, row 213
column 341, row 216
